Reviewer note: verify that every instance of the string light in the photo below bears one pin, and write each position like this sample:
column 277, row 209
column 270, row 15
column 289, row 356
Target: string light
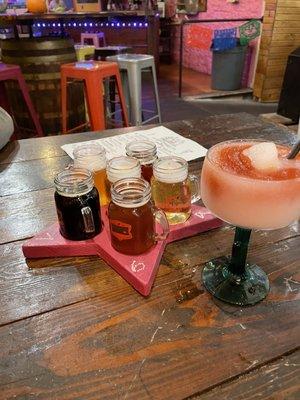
column 113, row 24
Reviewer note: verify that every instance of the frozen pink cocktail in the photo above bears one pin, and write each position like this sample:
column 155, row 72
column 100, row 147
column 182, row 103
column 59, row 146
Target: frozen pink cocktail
column 242, row 195
column 250, row 184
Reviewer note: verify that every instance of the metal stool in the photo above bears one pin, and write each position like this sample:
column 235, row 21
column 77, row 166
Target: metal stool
column 92, row 73
column 134, row 65
column 102, row 52
column 95, row 37
column 13, row 72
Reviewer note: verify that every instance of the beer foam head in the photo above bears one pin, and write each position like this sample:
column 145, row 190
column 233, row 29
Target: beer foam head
column 123, row 167
column 170, row 169
column 90, row 156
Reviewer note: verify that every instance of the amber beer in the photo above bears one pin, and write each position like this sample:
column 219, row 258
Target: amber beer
column 146, row 152
column 173, row 190
column 132, row 217
column 92, row 157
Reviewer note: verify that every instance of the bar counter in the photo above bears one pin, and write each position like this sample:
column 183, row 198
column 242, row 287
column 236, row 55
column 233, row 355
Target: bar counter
column 139, row 30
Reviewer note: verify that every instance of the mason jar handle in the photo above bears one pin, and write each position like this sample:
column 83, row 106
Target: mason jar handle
column 161, row 218
column 195, row 188
column 88, row 220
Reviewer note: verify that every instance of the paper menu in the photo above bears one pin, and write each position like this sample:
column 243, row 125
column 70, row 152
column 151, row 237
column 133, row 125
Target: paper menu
column 167, row 142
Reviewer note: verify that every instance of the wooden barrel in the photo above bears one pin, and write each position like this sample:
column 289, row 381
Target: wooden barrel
column 40, row 60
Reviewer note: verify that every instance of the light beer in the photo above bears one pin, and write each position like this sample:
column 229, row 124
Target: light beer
column 92, row 157
column 173, row 190
column 122, row 167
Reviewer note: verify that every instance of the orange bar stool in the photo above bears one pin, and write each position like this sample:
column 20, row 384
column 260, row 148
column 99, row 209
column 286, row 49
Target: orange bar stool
column 92, row 73
column 94, row 37
column 13, row 72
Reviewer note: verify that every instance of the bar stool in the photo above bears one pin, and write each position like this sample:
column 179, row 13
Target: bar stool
column 92, row 73
column 134, row 65
column 102, row 52
column 95, row 37
column 13, row 72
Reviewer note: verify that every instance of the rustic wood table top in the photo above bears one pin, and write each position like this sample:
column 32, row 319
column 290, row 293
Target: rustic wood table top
column 75, row 329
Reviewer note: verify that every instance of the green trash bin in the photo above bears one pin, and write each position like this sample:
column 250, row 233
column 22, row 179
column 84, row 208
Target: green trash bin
column 227, row 68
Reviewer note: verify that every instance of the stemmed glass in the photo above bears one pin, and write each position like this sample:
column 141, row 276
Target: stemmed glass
column 240, row 195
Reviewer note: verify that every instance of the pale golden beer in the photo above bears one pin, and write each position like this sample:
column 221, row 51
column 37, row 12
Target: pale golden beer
column 92, row 157
column 173, row 190
column 122, row 167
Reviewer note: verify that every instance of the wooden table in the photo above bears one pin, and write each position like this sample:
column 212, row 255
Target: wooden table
column 76, row 330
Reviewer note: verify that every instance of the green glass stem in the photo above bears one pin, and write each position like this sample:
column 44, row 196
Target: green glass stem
column 239, row 251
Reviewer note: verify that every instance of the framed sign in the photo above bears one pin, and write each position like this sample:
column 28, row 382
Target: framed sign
column 87, row 5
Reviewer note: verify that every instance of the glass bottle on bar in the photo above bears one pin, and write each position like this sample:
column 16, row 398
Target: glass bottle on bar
column 146, row 152
column 93, row 158
column 77, row 204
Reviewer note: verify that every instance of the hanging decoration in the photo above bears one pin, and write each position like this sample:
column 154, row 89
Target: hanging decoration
column 199, row 37
column 249, row 31
column 224, row 39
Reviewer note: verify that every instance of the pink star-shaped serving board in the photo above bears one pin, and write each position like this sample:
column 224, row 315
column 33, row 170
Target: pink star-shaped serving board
column 139, row 271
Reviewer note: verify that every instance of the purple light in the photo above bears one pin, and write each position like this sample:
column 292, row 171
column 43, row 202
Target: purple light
column 58, row 24
column 39, row 25
column 112, row 24
column 123, row 24
column 140, row 24
column 106, row 24
column 118, row 24
column 134, row 24
column 44, row 25
column 54, row 24
column 79, row 24
column 74, row 24
column 129, row 24
column 101, row 24
column 91, row 24
column 85, row 24
column 146, row 24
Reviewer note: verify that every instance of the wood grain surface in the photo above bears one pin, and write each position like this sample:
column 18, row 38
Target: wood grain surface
column 76, row 330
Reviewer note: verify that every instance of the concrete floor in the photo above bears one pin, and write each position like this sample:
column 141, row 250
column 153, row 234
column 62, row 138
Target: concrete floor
column 189, row 106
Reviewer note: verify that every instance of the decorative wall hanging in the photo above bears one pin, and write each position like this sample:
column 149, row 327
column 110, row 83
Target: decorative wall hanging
column 224, row 39
column 249, row 31
column 199, row 37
